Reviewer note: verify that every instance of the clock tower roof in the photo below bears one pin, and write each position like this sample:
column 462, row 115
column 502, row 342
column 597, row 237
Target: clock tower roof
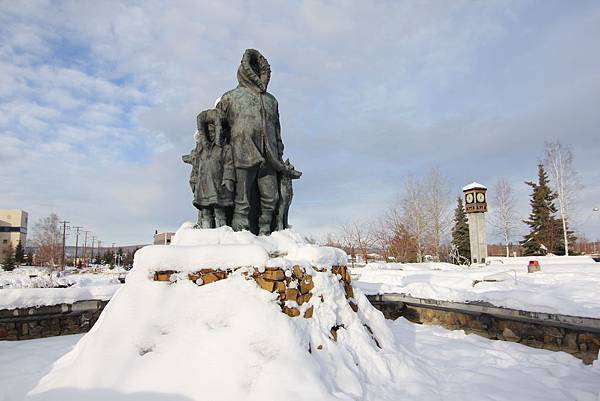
column 473, row 185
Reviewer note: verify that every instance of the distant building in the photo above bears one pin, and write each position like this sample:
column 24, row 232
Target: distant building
column 162, row 238
column 13, row 229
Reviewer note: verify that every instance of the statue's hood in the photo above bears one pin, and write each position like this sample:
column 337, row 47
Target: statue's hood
column 248, row 77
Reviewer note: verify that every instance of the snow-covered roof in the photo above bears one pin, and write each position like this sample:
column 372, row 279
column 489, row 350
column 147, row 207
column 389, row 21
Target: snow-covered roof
column 474, row 185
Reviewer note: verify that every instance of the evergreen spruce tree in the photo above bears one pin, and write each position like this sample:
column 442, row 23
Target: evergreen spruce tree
column 19, row 254
column 560, row 248
column 9, row 263
column 544, row 228
column 460, row 231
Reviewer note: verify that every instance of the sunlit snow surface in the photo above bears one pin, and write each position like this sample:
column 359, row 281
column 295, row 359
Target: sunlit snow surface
column 229, row 340
column 459, row 367
column 565, row 285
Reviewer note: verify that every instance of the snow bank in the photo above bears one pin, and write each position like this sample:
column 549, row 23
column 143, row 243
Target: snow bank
column 42, row 277
column 565, row 285
column 38, row 286
column 465, row 368
column 14, row 298
column 237, row 342
column 544, row 260
column 229, row 340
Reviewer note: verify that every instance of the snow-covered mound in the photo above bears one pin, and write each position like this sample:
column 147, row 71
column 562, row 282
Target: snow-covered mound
column 229, row 340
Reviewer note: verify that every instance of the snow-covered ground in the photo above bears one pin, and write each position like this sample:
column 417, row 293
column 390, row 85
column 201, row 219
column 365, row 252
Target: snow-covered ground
column 37, row 286
column 565, row 285
column 42, row 277
column 457, row 367
column 229, row 340
column 13, row 298
column 25, row 362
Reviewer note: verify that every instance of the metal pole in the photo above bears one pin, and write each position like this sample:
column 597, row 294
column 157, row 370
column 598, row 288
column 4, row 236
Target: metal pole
column 76, row 243
column 85, row 249
column 92, row 257
column 64, row 223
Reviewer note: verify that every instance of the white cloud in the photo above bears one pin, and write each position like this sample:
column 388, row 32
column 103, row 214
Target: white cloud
column 101, row 101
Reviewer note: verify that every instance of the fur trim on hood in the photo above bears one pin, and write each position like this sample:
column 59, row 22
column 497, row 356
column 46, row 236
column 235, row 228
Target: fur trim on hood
column 216, row 117
column 248, row 77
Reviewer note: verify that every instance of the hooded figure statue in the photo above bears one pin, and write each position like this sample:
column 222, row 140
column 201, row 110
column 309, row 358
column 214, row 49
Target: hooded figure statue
column 253, row 118
column 213, row 173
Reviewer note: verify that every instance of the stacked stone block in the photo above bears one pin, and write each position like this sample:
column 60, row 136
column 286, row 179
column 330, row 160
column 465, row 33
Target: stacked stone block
column 293, row 285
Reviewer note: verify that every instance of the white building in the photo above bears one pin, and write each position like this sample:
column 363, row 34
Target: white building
column 13, row 229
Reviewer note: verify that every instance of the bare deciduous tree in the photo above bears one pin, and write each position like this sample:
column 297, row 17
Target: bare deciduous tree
column 358, row 237
column 504, row 213
column 559, row 163
column 413, row 213
column 436, row 203
column 47, row 237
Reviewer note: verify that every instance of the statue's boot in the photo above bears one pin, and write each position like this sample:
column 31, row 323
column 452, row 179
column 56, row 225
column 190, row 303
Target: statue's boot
column 220, row 217
column 240, row 222
column 264, row 223
column 199, row 222
column 205, row 218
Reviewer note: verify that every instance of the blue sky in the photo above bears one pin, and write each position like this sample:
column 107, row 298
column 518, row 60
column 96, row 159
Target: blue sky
column 98, row 101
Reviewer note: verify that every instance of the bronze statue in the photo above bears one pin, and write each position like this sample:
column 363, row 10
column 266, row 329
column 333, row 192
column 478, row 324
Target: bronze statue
column 213, row 172
column 248, row 124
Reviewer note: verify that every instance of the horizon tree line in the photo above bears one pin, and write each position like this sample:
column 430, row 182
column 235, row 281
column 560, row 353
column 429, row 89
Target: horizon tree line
column 418, row 226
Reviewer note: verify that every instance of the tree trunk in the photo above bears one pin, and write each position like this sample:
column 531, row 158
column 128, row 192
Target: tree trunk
column 565, row 236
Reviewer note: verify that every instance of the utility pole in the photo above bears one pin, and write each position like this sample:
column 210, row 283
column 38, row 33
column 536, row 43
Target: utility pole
column 114, row 254
column 98, row 254
column 76, row 242
column 85, row 248
column 64, row 223
column 93, row 240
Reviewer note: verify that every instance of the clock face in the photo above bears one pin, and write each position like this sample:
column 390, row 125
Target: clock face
column 480, row 197
column 469, row 198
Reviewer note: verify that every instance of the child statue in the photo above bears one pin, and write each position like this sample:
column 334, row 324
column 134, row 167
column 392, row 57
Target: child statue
column 213, row 172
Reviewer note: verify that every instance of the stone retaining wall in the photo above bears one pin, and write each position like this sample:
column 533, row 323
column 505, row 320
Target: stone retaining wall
column 47, row 321
column 547, row 334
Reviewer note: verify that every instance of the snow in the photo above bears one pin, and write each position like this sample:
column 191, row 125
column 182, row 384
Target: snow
column 222, row 248
column 229, row 340
column 565, row 285
column 474, row 185
column 13, row 298
column 458, row 367
column 42, row 277
column 25, row 362
column 38, row 286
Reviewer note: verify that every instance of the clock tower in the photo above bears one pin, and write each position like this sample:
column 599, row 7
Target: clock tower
column 476, row 206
